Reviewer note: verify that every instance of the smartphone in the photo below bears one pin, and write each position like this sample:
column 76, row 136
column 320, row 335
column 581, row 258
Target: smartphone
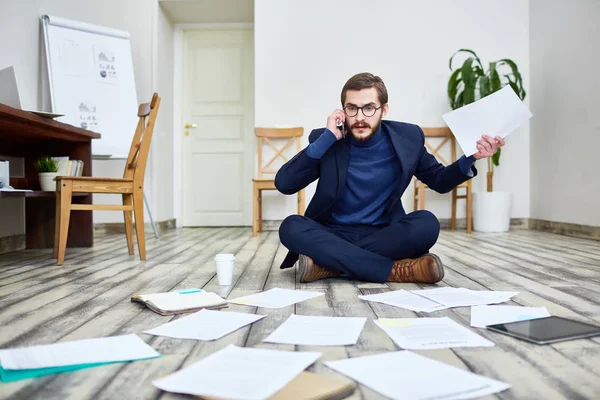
column 341, row 127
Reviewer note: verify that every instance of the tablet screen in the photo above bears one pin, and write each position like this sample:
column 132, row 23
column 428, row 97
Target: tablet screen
column 548, row 328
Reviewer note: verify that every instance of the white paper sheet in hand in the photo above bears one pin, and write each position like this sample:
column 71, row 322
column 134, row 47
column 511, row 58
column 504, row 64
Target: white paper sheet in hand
column 407, row 376
column 87, row 351
column 430, row 333
column 205, row 325
column 461, row 297
column 239, row 373
column 405, row 299
column 481, row 316
column 498, row 114
column 276, row 298
column 318, row 331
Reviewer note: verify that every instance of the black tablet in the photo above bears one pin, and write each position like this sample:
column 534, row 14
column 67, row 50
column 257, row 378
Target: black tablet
column 547, row 330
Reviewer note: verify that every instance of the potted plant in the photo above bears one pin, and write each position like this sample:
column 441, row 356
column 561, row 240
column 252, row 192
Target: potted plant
column 47, row 169
column 470, row 82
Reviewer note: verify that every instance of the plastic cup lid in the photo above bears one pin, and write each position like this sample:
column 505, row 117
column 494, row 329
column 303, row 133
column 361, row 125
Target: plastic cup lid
column 224, row 257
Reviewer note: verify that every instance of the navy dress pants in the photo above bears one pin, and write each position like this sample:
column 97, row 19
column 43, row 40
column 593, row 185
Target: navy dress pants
column 365, row 252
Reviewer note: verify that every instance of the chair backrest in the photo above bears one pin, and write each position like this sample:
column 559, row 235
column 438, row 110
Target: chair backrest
column 446, row 138
column 265, row 135
column 140, row 145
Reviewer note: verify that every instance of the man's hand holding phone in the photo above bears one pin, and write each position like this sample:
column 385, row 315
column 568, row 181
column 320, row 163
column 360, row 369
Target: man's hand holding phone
column 335, row 123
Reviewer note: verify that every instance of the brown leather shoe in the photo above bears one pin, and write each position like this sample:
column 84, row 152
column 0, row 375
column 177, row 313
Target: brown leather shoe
column 309, row 271
column 425, row 269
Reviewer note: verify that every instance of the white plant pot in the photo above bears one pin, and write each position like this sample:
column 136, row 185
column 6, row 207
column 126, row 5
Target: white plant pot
column 48, row 181
column 491, row 211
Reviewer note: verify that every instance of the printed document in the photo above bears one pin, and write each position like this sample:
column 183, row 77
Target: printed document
column 497, row 114
column 318, row 331
column 205, row 325
column 430, row 333
column 239, row 373
column 408, row 376
column 276, row 298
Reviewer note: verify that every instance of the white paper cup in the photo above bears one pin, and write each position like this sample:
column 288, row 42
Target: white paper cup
column 224, row 263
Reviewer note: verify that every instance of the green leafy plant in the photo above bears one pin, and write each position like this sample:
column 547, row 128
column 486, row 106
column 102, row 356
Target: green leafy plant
column 46, row 164
column 470, row 82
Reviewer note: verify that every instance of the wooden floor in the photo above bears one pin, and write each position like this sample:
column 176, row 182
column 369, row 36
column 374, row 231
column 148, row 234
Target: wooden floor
column 90, row 297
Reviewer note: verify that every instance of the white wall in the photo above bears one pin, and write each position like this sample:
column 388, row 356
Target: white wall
column 565, row 132
column 162, row 147
column 20, row 28
column 301, row 68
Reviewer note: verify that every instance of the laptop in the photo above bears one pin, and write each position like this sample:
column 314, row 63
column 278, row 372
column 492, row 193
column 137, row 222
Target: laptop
column 9, row 93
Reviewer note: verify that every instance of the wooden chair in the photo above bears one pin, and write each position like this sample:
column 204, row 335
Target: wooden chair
column 131, row 187
column 261, row 183
column 444, row 134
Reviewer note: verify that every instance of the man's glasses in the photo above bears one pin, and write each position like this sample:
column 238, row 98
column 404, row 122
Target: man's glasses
column 368, row 111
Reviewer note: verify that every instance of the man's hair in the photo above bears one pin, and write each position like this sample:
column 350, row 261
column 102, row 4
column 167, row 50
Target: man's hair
column 366, row 80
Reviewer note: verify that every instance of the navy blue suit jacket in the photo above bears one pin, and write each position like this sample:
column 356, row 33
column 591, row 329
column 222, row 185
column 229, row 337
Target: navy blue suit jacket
column 331, row 170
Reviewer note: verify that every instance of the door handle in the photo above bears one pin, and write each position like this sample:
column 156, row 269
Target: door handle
column 190, row 126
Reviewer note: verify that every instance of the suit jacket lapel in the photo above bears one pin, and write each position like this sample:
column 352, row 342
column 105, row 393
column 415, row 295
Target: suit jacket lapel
column 402, row 149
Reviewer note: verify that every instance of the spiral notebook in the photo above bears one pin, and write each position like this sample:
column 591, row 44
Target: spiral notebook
column 180, row 301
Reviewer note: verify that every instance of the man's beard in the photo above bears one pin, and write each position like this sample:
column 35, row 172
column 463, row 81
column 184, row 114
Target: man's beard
column 365, row 125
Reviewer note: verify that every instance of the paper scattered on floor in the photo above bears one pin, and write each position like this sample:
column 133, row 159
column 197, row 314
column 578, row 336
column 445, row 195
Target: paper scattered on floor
column 86, row 351
column 406, row 375
column 276, row 298
column 239, row 373
column 430, row 300
column 318, row 331
column 481, row 316
column 430, row 333
column 205, row 325
column 461, row 297
column 405, row 299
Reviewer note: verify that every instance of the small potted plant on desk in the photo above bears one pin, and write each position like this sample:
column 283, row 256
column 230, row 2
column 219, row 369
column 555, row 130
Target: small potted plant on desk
column 47, row 169
column 470, row 82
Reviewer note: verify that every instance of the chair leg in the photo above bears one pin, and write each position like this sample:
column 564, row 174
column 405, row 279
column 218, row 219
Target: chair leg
column 128, row 201
column 469, row 208
column 301, row 202
column 260, row 206
column 454, row 201
column 254, row 210
column 57, row 224
column 138, row 211
column 416, row 197
column 422, row 196
column 65, row 216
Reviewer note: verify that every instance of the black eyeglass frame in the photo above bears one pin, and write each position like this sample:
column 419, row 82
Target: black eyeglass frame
column 361, row 109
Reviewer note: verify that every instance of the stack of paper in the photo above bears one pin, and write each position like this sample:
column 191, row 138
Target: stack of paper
column 318, row 331
column 430, row 333
column 30, row 362
column 276, row 298
column 481, row 316
column 239, row 373
column 439, row 298
column 205, row 325
column 406, row 375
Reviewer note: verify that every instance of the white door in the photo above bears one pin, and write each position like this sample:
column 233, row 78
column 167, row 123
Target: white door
column 218, row 109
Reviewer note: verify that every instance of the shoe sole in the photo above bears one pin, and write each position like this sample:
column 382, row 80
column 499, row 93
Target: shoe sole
column 440, row 266
column 302, row 268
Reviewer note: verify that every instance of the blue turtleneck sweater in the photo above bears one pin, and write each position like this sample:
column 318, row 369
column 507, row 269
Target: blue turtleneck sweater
column 373, row 173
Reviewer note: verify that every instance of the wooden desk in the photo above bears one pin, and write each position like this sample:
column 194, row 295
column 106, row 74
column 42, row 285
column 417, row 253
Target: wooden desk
column 23, row 134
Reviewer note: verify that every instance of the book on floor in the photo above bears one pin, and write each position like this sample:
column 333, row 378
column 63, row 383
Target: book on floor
column 310, row 386
column 180, row 301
